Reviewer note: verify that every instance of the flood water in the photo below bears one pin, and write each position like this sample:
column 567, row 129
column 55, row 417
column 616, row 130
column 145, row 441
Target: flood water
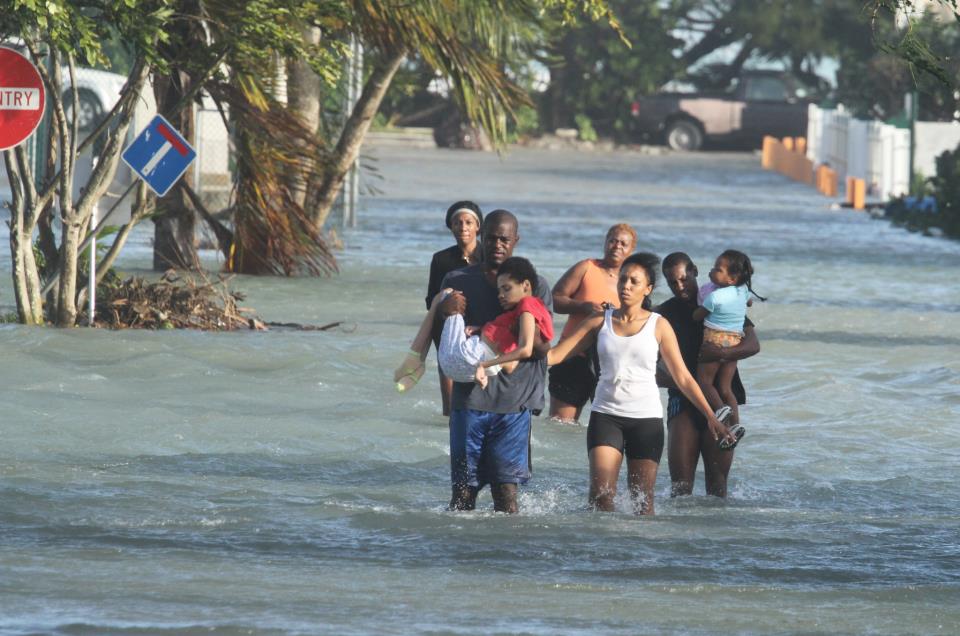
column 274, row 483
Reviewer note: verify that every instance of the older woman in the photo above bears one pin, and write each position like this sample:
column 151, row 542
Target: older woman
column 581, row 292
column 626, row 418
column 464, row 219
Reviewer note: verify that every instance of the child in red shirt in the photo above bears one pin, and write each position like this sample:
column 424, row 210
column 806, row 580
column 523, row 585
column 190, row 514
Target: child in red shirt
column 466, row 356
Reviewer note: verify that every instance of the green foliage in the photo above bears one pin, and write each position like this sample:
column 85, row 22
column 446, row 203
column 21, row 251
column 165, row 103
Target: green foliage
column 945, row 188
column 594, row 72
column 913, row 47
column 81, row 28
column 527, row 122
column 920, row 185
column 879, row 65
column 380, row 122
column 585, row 130
column 486, row 51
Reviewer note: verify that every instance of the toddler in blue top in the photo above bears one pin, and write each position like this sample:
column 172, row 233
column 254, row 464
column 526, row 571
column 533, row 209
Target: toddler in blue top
column 723, row 308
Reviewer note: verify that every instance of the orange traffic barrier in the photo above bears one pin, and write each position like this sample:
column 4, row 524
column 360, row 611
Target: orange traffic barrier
column 819, row 176
column 800, row 145
column 788, row 143
column 859, row 194
column 787, row 162
column 850, row 188
column 766, row 156
column 830, row 185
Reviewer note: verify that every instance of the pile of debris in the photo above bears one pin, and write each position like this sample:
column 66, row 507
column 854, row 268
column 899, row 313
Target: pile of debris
column 176, row 301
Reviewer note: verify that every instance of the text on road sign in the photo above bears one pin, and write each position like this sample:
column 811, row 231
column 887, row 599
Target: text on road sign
column 19, row 98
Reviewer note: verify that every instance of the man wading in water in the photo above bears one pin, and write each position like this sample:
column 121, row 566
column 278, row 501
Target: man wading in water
column 490, row 428
column 688, row 437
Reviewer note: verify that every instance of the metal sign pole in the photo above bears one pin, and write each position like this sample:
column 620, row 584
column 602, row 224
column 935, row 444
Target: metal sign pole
column 92, row 283
column 351, row 191
column 92, row 269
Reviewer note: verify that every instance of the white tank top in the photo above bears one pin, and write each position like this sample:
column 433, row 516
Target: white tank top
column 628, row 366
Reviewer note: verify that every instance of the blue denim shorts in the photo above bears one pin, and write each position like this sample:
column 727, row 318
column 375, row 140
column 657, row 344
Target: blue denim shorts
column 677, row 404
column 489, row 448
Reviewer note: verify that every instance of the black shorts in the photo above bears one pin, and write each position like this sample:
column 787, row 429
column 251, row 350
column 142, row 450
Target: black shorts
column 573, row 381
column 637, row 438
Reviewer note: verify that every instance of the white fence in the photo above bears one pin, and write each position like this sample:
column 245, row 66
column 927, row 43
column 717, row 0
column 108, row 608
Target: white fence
column 873, row 151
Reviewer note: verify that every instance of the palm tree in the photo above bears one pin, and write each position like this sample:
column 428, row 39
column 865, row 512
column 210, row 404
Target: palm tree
column 289, row 170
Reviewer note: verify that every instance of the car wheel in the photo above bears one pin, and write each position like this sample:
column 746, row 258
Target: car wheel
column 90, row 113
column 684, row 135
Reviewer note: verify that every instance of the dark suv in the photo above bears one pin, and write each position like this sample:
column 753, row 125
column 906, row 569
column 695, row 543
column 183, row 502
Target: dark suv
column 758, row 103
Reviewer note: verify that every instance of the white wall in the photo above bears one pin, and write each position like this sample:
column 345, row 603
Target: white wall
column 870, row 150
column 933, row 138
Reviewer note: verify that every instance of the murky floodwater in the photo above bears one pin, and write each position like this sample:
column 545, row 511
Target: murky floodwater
column 273, row 483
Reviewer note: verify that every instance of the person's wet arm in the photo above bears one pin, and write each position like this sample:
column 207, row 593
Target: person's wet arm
column 566, row 287
column 664, row 379
column 540, row 346
column 670, row 353
column 433, row 283
column 527, row 328
column 577, row 342
column 709, row 304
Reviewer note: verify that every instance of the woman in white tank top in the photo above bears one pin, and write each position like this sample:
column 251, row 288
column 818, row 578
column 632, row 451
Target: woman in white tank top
column 627, row 416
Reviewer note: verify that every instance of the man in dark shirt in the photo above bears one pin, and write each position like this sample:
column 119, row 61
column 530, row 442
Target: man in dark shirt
column 490, row 428
column 688, row 436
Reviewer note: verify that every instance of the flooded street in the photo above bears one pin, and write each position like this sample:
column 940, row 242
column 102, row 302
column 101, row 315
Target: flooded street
column 274, row 483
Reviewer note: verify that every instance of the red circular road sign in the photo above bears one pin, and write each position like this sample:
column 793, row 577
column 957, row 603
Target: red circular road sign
column 21, row 98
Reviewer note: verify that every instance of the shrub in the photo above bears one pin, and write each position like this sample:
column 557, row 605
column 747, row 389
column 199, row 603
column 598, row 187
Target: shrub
column 585, row 128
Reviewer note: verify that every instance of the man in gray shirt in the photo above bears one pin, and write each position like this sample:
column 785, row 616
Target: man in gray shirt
column 490, row 428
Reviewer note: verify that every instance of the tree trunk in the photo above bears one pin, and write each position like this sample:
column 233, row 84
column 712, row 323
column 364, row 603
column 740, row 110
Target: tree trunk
column 174, row 229
column 303, row 95
column 325, row 194
column 66, row 296
column 25, row 309
column 33, row 281
column 25, row 313
column 28, row 311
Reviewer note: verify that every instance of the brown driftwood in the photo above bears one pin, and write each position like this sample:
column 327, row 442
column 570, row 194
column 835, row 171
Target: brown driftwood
column 174, row 302
column 300, row 327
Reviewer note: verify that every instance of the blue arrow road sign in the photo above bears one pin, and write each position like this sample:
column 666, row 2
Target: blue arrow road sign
column 159, row 155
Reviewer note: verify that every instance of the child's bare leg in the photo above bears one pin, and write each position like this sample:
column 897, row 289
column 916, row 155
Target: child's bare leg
column 706, row 372
column 421, row 342
column 411, row 369
column 725, row 388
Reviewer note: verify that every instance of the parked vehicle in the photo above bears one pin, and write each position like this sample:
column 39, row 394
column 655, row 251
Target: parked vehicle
column 758, row 103
column 97, row 93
